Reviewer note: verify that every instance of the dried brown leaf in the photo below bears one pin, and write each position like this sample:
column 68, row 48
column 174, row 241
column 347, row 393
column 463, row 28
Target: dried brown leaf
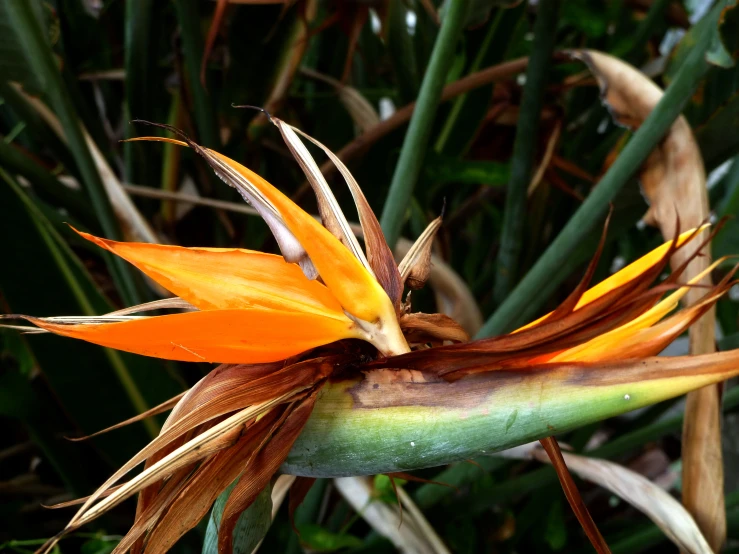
column 194, row 499
column 674, row 181
column 415, row 267
column 161, row 408
column 261, row 468
column 382, row 517
column 666, row 512
column 420, row 328
column 331, row 215
column 359, row 108
column 379, row 255
column 453, row 296
column 573, row 495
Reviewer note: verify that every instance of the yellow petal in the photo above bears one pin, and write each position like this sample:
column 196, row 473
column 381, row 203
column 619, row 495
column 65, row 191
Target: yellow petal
column 611, row 344
column 226, row 278
column 628, row 273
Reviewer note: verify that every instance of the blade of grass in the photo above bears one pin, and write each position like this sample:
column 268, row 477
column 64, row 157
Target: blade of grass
column 417, row 138
column 524, row 148
column 44, row 424
column 595, row 206
column 61, row 284
column 472, row 106
column 139, row 60
column 36, row 127
column 45, row 183
column 40, row 58
column 192, row 44
column 646, row 29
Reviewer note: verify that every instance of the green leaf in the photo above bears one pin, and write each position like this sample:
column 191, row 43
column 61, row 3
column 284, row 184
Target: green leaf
column 98, row 545
column 13, row 66
column 140, row 64
column 441, row 170
column 250, row 528
column 384, row 490
column 524, row 149
column 717, row 138
column 193, row 45
column 723, row 50
column 527, row 294
column 555, row 529
column 589, row 17
column 402, row 52
column 37, row 53
column 319, row 539
column 456, row 135
column 56, row 283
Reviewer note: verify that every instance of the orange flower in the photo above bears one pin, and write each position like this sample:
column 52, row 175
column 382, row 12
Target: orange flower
column 284, row 333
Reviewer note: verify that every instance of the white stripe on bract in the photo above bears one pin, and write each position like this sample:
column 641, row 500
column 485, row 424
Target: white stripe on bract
column 289, row 245
column 333, row 218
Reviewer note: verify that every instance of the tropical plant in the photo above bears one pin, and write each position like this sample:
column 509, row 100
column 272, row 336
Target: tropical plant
column 330, row 368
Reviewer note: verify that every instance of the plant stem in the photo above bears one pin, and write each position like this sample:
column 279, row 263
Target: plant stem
column 593, row 209
column 192, row 45
column 419, row 130
column 524, row 148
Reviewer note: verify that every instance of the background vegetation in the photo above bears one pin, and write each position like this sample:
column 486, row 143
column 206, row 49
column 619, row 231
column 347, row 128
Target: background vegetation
column 73, row 73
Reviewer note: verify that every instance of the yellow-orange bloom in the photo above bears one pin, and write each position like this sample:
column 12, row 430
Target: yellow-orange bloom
column 281, row 331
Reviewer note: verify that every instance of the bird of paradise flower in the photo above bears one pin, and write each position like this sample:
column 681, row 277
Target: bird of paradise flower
column 284, row 326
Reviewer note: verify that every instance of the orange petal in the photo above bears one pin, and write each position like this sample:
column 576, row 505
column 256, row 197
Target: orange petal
column 219, row 336
column 353, row 286
column 225, row 278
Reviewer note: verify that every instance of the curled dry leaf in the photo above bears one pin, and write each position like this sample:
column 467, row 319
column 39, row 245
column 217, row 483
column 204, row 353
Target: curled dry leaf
column 420, row 328
column 331, row 215
column 453, row 296
column 674, row 182
column 415, row 267
column 383, row 518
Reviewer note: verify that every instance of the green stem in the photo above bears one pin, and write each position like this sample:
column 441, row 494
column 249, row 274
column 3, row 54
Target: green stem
column 44, row 182
column 41, row 60
column 545, row 475
column 192, row 45
column 419, row 130
column 139, row 60
column 594, row 208
column 524, row 147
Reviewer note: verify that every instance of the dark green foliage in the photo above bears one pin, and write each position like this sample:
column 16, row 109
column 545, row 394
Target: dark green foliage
column 460, row 154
